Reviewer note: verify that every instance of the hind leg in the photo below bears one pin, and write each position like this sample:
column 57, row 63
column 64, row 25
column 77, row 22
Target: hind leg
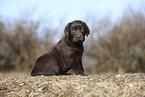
column 46, row 65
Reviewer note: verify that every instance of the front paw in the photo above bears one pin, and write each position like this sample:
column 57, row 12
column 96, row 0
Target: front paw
column 81, row 73
column 84, row 74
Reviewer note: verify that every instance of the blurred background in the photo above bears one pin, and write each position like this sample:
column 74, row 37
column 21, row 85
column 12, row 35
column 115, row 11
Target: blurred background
column 28, row 28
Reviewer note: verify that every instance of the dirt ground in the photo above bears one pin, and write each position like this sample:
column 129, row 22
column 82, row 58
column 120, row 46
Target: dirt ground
column 102, row 85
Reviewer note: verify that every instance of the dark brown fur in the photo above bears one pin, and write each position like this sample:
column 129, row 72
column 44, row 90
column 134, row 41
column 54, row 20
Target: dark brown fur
column 66, row 54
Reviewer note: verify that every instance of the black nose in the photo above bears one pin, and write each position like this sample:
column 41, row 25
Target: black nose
column 79, row 35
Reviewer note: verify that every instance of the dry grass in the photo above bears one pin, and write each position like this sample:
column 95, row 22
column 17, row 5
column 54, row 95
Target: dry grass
column 124, row 85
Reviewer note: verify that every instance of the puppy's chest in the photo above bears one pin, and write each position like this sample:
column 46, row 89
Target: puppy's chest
column 77, row 53
column 73, row 53
column 68, row 55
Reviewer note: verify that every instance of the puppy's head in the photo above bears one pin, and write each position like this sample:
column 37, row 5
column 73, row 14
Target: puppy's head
column 76, row 31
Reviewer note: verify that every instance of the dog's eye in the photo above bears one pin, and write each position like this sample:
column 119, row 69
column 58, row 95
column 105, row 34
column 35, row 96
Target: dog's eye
column 72, row 29
column 83, row 29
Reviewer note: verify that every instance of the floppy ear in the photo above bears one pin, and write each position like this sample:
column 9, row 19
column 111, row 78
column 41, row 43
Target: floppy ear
column 67, row 30
column 87, row 30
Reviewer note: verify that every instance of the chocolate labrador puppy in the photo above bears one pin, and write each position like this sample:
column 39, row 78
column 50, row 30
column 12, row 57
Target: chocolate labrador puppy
column 66, row 54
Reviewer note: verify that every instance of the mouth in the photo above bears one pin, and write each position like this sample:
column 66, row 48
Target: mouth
column 80, row 40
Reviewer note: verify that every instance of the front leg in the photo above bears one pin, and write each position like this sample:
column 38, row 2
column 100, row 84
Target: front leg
column 77, row 67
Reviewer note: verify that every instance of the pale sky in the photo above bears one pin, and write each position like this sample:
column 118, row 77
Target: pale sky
column 67, row 9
